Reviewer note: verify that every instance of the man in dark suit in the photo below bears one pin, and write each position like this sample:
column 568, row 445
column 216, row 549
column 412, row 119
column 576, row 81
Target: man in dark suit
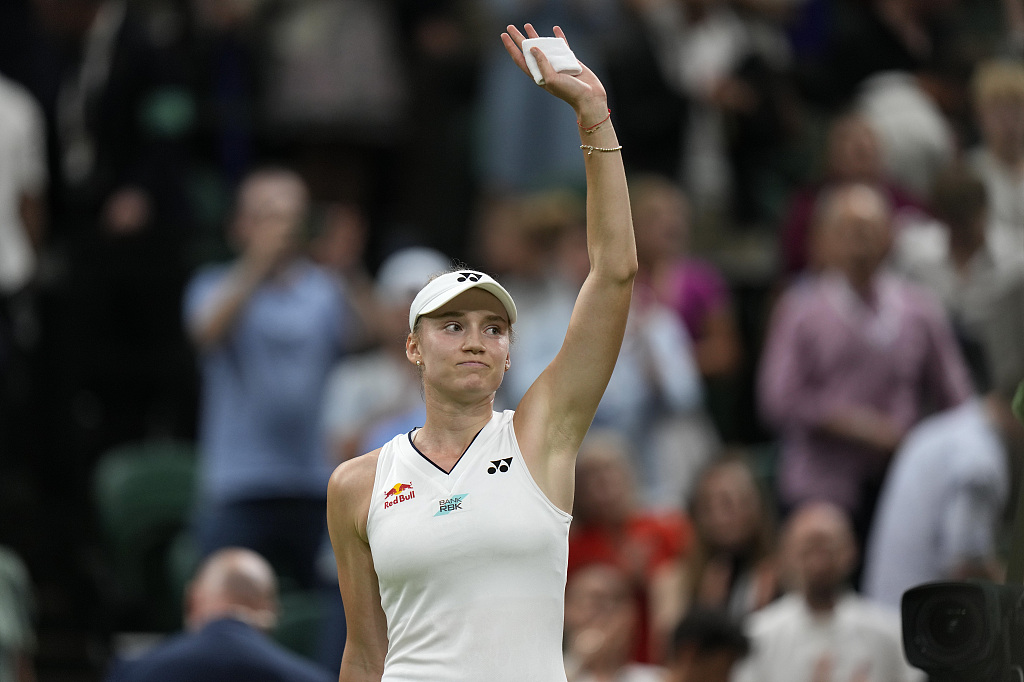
column 230, row 605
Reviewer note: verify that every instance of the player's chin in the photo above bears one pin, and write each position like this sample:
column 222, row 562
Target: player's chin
column 480, row 383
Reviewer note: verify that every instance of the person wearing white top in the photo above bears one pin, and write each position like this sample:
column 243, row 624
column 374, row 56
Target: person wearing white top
column 822, row 630
column 479, row 499
column 23, row 178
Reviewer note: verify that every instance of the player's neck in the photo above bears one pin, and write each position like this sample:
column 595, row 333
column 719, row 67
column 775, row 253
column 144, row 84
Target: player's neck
column 448, row 431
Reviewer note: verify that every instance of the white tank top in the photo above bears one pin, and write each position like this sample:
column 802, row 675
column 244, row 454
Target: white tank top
column 471, row 564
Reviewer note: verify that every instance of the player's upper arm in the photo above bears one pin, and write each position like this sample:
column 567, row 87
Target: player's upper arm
column 348, row 500
column 556, row 411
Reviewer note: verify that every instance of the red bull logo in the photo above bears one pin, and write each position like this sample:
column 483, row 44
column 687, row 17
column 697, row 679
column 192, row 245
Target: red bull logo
column 399, row 492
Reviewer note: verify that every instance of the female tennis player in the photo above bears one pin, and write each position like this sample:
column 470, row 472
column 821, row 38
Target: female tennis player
column 451, row 540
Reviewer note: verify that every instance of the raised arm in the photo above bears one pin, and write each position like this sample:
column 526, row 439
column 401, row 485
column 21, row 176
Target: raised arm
column 557, row 410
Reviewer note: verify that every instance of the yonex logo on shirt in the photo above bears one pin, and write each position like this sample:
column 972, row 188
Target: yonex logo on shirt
column 501, row 465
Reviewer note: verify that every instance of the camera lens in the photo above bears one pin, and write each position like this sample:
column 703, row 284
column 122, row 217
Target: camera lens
column 952, row 623
column 951, row 627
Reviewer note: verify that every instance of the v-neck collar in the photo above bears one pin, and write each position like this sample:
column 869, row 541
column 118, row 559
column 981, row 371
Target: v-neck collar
column 432, row 462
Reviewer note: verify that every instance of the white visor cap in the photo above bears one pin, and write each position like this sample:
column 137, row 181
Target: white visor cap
column 444, row 288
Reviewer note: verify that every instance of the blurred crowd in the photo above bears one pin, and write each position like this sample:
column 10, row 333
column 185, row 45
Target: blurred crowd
column 215, row 213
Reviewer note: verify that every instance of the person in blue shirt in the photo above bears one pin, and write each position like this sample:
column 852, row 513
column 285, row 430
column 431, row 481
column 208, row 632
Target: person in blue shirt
column 267, row 327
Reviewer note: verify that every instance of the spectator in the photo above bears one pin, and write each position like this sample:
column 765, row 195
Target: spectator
column 822, row 630
column 609, row 527
column 518, row 240
column 731, row 566
column 954, row 259
column 853, row 358
column 268, row 328
column 998, row 89
column 23, row 180
column 655, row 394
column 733, row 69
column 853, row 153
column 692, row 287
column 941, row 508
column 650, row 108
column 943, row 505
column 367, row 388
column 695, row 290
column 600, row 621
column 17, row 612
column 231, row 605
column 706, row 646
column 917, row 135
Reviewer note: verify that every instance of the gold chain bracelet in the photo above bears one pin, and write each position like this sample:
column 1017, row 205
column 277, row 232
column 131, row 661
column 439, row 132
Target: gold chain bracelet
column 591, row 150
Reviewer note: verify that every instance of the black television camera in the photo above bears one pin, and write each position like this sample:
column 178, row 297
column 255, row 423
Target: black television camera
column 969, row 631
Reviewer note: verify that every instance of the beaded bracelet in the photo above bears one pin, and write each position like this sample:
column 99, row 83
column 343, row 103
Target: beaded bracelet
column 591, row 150
column 593, row 128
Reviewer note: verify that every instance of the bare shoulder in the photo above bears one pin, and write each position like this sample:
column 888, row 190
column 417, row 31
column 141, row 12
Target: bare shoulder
column 355, row 474
column 350, row 489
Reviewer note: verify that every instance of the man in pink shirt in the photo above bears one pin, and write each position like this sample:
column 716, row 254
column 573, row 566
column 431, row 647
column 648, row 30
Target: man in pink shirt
column 853, row 358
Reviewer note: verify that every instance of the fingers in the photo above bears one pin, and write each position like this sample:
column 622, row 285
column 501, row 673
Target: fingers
column 546, row 70
column 513, row 39
column 516, row 36
column 513, row 50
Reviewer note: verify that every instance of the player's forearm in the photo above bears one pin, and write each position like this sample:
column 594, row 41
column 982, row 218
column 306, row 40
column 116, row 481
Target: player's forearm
column 609, row 222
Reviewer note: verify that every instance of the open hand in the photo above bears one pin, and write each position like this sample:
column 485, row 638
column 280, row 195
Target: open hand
column 584, row 92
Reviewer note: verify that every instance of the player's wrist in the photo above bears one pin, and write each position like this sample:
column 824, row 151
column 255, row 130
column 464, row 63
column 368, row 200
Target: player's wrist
column 591, row 114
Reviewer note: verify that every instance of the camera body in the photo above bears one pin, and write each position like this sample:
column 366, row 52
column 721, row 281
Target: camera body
column 965, row 631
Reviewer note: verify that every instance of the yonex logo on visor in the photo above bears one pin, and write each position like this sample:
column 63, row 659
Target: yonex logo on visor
column 444, row 288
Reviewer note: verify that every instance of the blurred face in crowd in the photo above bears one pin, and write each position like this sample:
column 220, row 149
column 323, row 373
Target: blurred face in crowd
column 852, row 234
column 271, row 205
column 727, row 508
column 661, row 218
column 600, row 615
column 819, row 549
column 854, row 152
column 604, row 482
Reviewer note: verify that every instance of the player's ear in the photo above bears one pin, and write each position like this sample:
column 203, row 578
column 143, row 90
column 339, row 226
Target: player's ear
column 412, row 349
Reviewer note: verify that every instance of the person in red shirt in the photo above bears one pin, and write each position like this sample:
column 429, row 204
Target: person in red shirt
column 609, row 526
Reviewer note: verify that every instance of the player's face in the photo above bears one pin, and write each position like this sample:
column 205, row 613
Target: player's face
column 464, row 345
